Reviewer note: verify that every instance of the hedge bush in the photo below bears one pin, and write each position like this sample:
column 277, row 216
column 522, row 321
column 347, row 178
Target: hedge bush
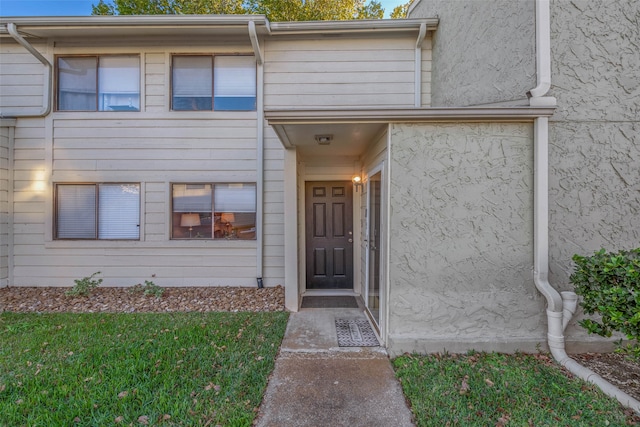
column 609, row 284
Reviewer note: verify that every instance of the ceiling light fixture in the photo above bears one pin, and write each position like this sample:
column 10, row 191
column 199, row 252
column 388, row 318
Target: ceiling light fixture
column 324, row 139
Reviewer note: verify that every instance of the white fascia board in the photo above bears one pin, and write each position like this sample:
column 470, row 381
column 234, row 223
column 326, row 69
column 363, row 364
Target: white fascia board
column 120, row 20
column 354, row 26
column 282, row 117
column 50, row 26
column 47, row 26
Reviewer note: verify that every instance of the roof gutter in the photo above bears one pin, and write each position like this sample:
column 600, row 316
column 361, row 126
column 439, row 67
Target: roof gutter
column 355, row 26
column 136, row 20
column 46, row 95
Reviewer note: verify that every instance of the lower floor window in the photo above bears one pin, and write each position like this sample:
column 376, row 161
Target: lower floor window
column 213, row 211
column 97, row 211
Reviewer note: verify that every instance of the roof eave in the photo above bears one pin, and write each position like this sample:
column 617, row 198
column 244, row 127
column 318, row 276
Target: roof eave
column 295, row 116
column 45, row 26
column 353, row 26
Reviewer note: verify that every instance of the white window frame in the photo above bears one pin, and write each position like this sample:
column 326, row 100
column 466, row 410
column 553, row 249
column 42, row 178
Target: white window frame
column 211, row 223
column 216, row 91
column 106, row 89
column 100, row 212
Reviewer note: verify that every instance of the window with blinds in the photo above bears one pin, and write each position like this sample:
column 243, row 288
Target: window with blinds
column 220, row 82
column 214, row 211
column 98, row 83
column 97, row 211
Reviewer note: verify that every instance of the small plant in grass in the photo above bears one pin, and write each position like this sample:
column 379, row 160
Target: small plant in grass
column 609, row 284
column 149, row 288
column 84, row 286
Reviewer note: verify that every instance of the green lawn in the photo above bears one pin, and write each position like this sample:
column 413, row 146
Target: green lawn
column 481, row 389
column 140, row 369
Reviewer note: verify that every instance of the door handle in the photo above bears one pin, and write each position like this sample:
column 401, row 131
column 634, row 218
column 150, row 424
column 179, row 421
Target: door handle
column 350, row 240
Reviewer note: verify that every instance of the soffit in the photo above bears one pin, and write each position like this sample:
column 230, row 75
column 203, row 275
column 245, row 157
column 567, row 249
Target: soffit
column 353, row 130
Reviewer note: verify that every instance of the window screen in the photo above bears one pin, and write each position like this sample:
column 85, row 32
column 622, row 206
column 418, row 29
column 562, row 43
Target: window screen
column 97, row 211
column 214, row 211
column 192, row 80
column 99, row 83
column 205, row 82
column 234, row 84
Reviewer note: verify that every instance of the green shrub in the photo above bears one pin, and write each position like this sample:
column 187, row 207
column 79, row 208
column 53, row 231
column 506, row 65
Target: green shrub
column 609, row 284
column 84, row 286
column 149, row 288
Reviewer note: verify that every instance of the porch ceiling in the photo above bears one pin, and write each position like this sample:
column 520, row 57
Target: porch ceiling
column 353, row 129
column 348, row 139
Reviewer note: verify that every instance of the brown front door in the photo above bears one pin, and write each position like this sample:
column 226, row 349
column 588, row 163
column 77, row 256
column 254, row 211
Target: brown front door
column 329, row 234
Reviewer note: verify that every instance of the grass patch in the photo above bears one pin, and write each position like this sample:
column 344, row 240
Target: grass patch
column 481, row 389
column 141, row 369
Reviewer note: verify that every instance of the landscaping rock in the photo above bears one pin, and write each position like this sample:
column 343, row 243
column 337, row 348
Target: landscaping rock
column 120, row 300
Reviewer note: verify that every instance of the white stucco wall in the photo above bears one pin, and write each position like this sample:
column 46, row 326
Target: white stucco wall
column 483, row 51
column 461, row 250
column 595, row 133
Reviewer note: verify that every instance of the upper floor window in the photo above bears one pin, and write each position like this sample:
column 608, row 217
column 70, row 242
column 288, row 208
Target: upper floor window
column 98, row 83
column 221, row 82
column 97, row 211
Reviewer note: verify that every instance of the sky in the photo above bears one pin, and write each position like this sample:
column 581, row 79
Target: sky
column 83, row 7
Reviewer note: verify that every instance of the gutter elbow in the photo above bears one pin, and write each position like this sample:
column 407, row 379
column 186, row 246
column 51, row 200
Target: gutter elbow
column 554, row 300
column 540, row 90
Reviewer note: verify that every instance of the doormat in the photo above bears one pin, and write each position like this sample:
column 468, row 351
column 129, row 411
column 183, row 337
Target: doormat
column 329, row 302
column 355, row 333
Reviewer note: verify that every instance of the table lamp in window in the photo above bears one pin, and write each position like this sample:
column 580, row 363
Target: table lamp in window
column 227, row 219
column 190, row 220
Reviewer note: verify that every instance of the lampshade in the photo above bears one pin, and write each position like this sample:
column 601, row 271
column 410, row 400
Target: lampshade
column 189, row 220
column 227, row 217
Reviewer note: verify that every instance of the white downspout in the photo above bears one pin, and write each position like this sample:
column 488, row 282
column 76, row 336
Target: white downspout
column 260, row 151
column 560, row 308
column 46, row 96
column 418, row 65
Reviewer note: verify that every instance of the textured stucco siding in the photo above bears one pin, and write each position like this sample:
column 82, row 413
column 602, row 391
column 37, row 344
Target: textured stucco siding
column 595, row 132
column 461, row 250
column 483, row 51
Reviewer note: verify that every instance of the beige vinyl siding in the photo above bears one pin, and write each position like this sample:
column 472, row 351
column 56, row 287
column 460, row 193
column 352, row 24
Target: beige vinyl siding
column 156, row 82
column 273, row 223
column 21, row 78
column 124, row 266
column 330, row 169
column 30, row 187
column 154, row 147
column 340, row 72
column 176, row 149
column 148, row 149
column 427, row 56
column 5, row 134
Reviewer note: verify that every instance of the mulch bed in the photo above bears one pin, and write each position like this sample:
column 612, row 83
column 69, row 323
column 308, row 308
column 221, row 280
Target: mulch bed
column 120, row 300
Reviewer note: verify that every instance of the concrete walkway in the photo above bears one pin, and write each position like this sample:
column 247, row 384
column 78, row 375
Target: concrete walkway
column 316, row 383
